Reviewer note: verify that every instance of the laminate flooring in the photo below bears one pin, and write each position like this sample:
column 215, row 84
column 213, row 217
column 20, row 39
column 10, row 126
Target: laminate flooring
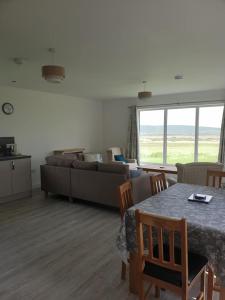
column 55, row 249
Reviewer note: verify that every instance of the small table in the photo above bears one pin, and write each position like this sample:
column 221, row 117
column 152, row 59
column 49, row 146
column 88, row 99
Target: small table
column 169, row 169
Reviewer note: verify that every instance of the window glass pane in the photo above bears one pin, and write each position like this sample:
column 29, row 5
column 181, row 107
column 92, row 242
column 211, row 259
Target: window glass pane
column 151, row 136
column 181, row 135
column 210, row 119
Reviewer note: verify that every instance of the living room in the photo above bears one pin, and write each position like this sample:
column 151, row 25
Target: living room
column 109, row 52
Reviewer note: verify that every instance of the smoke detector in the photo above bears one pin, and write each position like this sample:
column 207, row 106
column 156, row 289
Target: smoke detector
column 18, row 60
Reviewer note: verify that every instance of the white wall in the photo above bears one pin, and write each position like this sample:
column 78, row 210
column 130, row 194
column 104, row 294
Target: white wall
column 116, row 112
column 43, row 122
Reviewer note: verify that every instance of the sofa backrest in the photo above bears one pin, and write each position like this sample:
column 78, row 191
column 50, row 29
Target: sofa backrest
column 121, row 169
column 60, row 161
column 71, row 162
column 84, row 165
column 113, row 151
column 195, row 173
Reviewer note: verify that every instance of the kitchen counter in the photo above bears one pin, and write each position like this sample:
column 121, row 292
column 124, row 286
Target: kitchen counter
column 13, row 157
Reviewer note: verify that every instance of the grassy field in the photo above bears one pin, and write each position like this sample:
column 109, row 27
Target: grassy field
column 181, row 150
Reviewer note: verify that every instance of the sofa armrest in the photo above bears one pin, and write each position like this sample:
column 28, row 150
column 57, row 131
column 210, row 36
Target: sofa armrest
column 117, row 162
column 132, row 161
column 55, row 180
column 141, row 187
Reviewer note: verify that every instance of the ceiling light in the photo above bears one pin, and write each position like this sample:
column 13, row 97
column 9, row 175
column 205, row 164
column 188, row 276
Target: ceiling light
column 179, row 76
column 144, row 94
column 53, row 73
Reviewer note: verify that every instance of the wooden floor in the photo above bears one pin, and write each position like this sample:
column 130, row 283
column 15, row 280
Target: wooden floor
column 54, row 249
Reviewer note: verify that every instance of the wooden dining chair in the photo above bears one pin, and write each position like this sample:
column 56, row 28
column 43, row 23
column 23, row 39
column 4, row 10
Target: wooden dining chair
column 125, row 202
column 158, row 183
column 216, row 178
column 164, row 264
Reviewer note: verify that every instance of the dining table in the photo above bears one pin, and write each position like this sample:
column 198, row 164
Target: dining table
column 206, row 226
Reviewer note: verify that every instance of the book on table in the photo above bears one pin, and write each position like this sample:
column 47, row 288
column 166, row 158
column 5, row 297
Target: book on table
column 200, row 198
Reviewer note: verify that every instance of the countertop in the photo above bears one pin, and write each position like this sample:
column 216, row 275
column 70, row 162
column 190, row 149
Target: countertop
column 13, row 157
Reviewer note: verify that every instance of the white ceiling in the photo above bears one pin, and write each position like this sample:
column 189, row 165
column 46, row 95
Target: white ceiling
column 109, row 46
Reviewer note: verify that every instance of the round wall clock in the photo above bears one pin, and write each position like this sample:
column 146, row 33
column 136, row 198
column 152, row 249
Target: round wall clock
column 7, row 108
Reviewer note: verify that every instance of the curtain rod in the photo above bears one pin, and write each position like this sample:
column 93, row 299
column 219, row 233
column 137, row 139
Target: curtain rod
column 210, row 102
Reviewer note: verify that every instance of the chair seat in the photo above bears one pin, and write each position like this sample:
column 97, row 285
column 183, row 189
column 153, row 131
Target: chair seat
column 195, row 264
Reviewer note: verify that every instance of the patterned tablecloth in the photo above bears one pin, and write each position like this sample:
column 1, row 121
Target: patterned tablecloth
column 206, row 222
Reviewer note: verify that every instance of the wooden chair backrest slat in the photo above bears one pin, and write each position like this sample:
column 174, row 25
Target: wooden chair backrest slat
column 158, row 183
column 125, row 197
column 161, row 224
column 171, row 246
column 216, row 177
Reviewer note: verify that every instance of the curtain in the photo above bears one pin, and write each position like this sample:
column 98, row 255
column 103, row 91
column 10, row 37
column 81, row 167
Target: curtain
column 221, row 156
column 132, row 141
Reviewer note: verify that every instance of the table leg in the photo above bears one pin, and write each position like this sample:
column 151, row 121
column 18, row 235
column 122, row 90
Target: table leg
column 214, row 286
column 133, row 278
column 222, row 293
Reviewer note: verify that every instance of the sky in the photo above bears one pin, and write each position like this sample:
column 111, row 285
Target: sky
column 208, row 117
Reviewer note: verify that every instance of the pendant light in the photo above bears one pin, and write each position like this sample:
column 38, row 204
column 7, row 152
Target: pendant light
column 144, row 94
column 53, row 73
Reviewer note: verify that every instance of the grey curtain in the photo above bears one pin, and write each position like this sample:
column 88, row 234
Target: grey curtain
column 221, row 156
column 132, row 141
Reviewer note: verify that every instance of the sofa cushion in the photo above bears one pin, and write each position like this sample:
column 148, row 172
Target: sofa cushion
column 59, row 161
column 114, row 168
column 84, row 165
column 75, row 156
column 120, row 157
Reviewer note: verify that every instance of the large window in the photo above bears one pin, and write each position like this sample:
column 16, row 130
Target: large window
column 151, row 135
column 180, row 134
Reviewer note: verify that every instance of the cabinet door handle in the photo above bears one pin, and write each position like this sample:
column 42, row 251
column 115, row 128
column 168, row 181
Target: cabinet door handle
column 13, row 165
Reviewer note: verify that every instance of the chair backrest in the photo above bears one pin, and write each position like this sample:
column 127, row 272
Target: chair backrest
column 158, row 183
column 216, row 178
column 113, row 151
column 125, row 197
column 195, row 173
column 162, row 226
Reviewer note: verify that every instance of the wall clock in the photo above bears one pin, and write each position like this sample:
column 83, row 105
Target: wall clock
column 7, row 108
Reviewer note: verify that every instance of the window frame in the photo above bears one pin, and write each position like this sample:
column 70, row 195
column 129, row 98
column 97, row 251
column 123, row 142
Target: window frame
column 165, row 108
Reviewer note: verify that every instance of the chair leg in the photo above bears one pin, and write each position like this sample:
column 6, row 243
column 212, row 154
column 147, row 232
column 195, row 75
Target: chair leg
column 185, row 294
column 157, row 292
column 210, row 284
column 123, row 271
column 141, row 291
column 201, row 295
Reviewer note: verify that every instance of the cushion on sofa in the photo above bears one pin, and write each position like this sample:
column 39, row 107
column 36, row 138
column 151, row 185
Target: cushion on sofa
column 59, row 161
column 75, row 156
column 114, row 168
column 120, row 157
column 84, row 165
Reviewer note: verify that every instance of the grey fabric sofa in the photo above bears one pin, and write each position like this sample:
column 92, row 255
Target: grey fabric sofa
column 91, row 181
